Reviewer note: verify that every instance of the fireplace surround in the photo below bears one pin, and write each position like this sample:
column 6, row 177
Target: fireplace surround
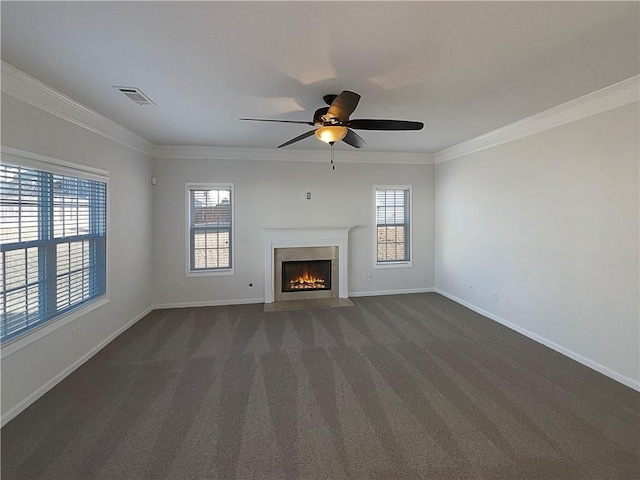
column 305, row 243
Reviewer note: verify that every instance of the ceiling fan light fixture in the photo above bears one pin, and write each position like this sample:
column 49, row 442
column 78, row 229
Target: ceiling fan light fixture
column 331, row 134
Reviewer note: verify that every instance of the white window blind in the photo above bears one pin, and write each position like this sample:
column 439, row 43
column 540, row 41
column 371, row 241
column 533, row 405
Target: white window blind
column 210, row 228
column 53, row 246
column 393, row 224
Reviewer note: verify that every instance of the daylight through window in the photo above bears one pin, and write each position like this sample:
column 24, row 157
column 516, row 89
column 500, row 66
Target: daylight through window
column 53, row 245
column 210, row 228
column 393, row 234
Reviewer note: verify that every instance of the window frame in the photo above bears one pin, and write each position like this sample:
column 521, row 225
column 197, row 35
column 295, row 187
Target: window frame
column 394, row 263
column 57, row 166
column 210, row 272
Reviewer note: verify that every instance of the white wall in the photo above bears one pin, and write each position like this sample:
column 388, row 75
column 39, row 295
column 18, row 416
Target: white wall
column 29, row 372
column 267, row 194
column 550, row 223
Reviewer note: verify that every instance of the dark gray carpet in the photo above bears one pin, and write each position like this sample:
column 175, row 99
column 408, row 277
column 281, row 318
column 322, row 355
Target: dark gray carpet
column 406, row 386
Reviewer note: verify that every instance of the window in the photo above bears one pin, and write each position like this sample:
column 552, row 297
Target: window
column 393, row 225
column 210, row 229
column 53, row 245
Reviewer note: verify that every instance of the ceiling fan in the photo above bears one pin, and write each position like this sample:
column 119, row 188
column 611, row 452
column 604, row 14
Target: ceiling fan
column 333, row 124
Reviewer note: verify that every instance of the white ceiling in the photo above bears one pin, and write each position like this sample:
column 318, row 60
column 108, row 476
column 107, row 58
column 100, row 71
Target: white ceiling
column 462, row 68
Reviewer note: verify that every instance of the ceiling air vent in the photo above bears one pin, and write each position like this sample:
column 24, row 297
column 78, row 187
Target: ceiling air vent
column 135, row 94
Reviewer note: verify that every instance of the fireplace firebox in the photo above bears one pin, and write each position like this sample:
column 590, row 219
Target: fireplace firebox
column 306, row 275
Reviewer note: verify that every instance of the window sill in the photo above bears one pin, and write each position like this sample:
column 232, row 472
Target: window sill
column 210, row 273
column 393, row 265
column 31, row 336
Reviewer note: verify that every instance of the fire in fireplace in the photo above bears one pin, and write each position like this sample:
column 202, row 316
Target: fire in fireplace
column 306, row 275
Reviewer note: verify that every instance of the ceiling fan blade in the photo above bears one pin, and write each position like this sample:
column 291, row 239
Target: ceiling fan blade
column 353, row 139
column 298, row 138
column 372, row 124
column 278, row 121
column 344, row 105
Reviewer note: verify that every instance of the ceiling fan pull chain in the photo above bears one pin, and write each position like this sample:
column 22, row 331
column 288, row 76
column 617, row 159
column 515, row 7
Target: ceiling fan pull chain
column 333, row 165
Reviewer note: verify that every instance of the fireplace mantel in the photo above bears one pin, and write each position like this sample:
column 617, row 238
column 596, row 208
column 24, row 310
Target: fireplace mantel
column 286, row 237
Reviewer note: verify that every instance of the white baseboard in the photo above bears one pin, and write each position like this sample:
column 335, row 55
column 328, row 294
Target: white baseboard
column 215, row 303
column 392, row 292
column 17, row 409
column 629, row 382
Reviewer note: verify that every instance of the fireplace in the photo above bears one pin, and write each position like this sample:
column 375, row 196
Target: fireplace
column 306, row 275
column 315, row 246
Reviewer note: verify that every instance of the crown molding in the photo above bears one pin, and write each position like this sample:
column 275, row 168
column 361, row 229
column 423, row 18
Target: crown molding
column 19, row 85
column 292, row 155
column 608, row 98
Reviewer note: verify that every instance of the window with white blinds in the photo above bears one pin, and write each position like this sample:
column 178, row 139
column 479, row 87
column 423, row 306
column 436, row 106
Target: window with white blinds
column 210, row 213
column 53, row 246
column 393, row 225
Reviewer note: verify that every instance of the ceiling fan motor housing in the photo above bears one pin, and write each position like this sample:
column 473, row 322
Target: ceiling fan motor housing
column 319, row 113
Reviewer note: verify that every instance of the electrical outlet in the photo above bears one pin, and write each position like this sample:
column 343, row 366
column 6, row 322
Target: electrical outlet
column 367, row 277
column 75, row 334
column 181, row 286
column 495, row 296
